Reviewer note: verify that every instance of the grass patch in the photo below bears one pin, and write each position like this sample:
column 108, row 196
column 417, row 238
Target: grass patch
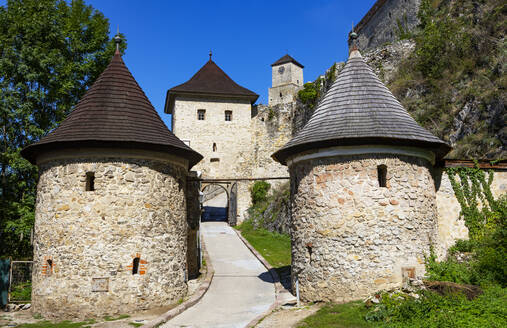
column 62, row 324
column 274, row 247
column 135, row 324
column 337, row 316
column 431, row 310
column 22, row 291
column 121, row 316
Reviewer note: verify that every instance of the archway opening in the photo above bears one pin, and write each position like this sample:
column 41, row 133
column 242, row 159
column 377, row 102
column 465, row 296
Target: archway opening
column 215, row 203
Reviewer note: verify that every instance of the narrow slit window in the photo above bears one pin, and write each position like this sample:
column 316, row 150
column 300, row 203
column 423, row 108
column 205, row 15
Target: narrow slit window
column 49, row 263
column 228, row 115
column 280, row 95
column 90, row 181
column 382, row 176
column 214, row 147
column 135, row 265
column 201, row 114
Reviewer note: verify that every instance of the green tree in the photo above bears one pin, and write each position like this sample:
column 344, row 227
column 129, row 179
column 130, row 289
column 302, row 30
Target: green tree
column 51, row 52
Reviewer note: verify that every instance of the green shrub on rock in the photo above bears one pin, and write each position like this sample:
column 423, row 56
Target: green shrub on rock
column 259, row 192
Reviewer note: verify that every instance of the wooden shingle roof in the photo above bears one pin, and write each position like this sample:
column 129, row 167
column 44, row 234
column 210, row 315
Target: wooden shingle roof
column 210, row 80
column 359, row 109
column 287, row 59
column 114, row 112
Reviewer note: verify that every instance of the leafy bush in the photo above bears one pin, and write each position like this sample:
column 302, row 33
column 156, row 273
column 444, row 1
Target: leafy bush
column 259, row 192
column 309, row 94
column 434, row 310
column 450, row 270
column 462, row 246
column 491, row 257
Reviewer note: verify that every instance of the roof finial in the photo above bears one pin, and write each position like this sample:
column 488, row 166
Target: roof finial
column 353, row 37
column 117, row 40
column 210, row 54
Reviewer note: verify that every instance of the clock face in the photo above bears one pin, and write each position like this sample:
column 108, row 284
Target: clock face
column 281, row 69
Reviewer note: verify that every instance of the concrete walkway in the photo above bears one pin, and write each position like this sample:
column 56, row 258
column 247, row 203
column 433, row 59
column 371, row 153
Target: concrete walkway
column 241, row 289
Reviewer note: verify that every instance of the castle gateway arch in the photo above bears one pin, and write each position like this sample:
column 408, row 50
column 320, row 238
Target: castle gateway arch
column 219, row 201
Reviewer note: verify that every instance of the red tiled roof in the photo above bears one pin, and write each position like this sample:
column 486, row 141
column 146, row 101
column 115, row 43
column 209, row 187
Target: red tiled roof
column 210, row 80
column 114, row 112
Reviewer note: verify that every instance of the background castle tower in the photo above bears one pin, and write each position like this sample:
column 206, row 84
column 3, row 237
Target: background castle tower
column 362, row 192
column 286, row 80
column 111, row 214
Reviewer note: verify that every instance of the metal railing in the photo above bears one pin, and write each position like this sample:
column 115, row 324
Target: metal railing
column 20, row 281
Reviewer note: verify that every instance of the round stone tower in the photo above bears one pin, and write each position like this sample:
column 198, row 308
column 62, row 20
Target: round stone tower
column 362, row 192
column 110, row 217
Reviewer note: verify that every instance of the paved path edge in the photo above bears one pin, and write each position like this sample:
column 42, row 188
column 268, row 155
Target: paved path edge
column 278, row 286
column 196, row 296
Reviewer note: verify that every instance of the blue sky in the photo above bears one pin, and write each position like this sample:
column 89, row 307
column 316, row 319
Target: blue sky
column 168, row 41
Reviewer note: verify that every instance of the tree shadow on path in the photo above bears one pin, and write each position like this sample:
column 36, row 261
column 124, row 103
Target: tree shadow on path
column 283, row 273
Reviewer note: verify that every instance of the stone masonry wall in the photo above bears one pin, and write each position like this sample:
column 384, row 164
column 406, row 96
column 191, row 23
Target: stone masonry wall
column 385, row 22
column 283, row 94
column 86, row 241
column 350, row 237
column 232, row 138
column 271, row 130
column 232, row 155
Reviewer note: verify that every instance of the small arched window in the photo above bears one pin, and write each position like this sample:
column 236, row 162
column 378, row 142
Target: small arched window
column 382, row 176
column 280, row 95
column 214, row 147
column 135, row 265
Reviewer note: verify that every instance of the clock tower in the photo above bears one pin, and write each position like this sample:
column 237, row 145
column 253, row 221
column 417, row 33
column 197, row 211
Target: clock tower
column 287, row 79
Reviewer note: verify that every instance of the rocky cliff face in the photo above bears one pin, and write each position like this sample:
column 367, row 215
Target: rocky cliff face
column 450, row 76
column 453, row 80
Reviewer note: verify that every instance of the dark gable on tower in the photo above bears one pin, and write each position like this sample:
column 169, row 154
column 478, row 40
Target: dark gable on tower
column 210, row 80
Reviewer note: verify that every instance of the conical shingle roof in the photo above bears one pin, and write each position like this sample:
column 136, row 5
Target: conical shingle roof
column 114, row 112
column 359, row 109
column 210, row 80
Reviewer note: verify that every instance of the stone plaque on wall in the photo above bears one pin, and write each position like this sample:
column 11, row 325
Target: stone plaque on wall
column 100, row 284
